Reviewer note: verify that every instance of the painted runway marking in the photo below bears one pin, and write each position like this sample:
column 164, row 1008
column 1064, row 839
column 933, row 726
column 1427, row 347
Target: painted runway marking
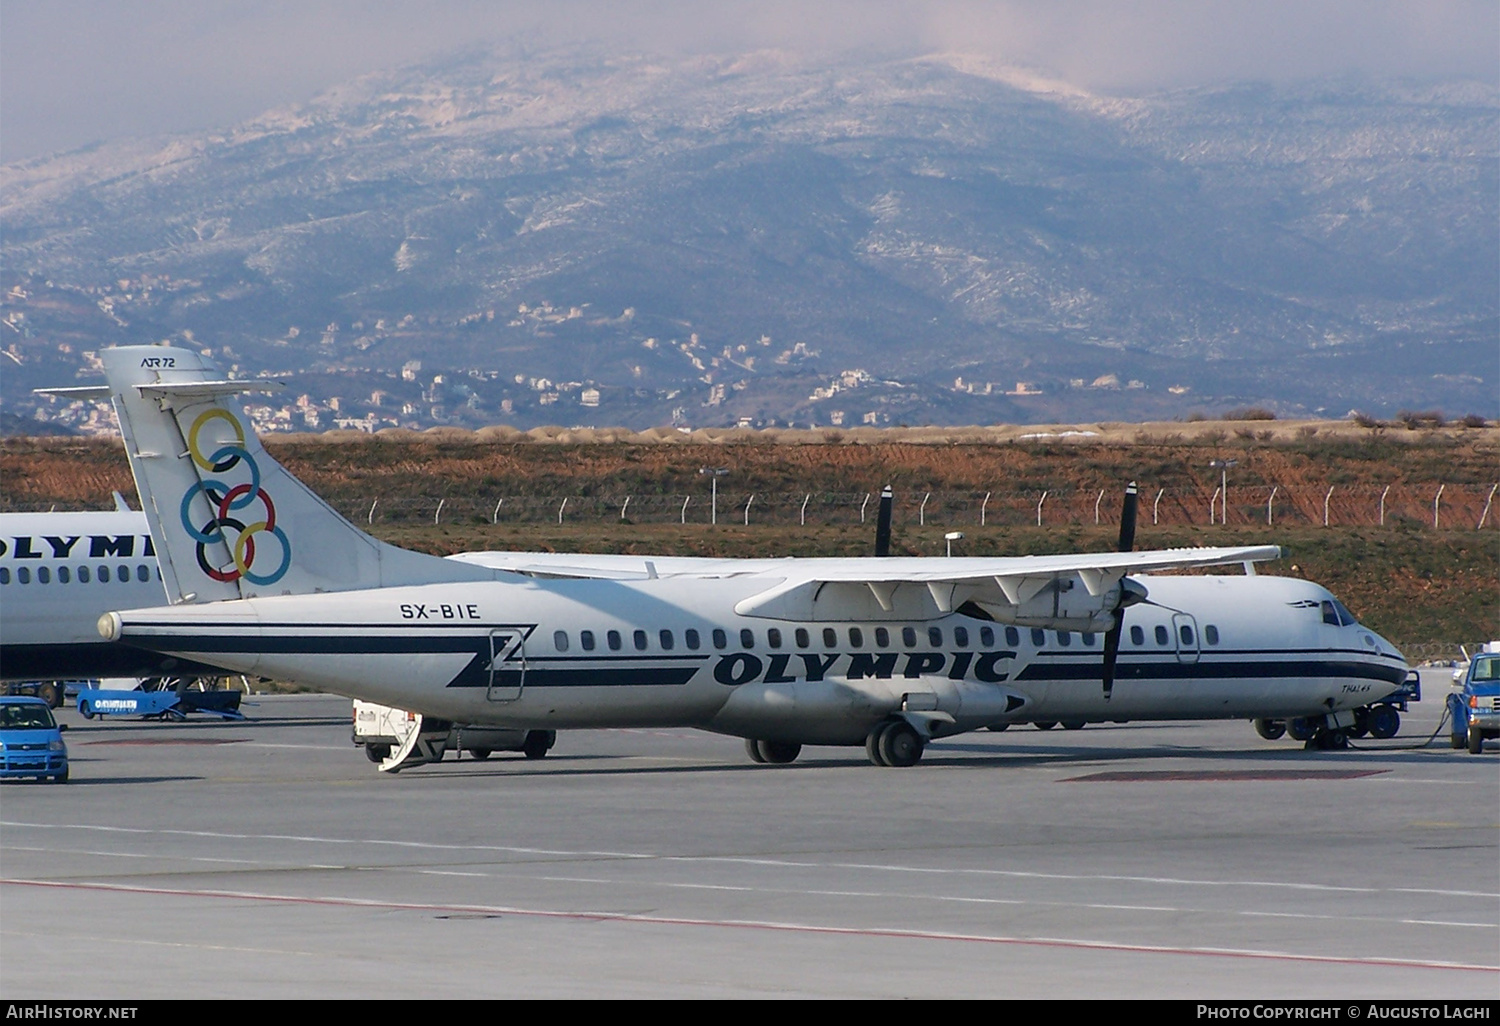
column 778, row 863
column 767, row 925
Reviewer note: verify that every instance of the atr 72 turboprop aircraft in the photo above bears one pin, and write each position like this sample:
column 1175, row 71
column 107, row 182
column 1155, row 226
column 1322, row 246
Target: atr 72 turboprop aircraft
column 267, row 579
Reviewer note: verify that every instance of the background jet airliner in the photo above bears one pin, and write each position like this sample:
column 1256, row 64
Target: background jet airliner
column 889, row 653
column 59, row 572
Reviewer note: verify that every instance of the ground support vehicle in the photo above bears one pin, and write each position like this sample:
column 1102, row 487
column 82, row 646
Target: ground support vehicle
column 31, row 743
column 162, row 705
column 396, row 738
column 53, row 692
column 1473, row 711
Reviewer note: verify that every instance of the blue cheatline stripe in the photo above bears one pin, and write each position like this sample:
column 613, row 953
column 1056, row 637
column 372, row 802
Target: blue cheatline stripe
column 600, row 677
column 604, row 670
column 1215, row 670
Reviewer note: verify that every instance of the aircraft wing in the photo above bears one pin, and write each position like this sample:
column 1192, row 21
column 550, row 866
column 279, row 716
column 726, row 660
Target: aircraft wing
column 1075, row 591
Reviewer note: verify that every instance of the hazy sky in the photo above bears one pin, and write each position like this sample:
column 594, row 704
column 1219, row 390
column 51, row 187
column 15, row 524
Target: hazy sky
column 76, row 71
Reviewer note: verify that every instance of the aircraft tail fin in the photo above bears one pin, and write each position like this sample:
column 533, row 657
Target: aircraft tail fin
column 226, row 519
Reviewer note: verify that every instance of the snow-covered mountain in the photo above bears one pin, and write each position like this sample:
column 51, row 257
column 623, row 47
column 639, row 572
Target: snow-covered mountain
column 578, row 238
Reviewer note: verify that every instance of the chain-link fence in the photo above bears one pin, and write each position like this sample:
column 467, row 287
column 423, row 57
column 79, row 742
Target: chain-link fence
column 1430, row 506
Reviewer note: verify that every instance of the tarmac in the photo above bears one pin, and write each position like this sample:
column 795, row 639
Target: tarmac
column 269, row 858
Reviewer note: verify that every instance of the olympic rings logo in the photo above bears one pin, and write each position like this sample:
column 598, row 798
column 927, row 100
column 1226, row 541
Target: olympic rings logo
column 230, row 506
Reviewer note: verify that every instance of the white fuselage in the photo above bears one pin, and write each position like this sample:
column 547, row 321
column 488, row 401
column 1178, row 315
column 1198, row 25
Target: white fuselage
column 59, row 572
column 559, row 654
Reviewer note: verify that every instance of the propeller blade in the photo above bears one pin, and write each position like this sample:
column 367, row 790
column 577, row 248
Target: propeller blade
column 1111, row 651
column 1127, row 519
column 1112, row 636
column 883, row 524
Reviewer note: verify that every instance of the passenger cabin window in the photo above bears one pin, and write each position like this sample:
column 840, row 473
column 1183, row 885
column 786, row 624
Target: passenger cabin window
column 961, row 637
column 935, row 637
column 4, row 575
column 1162, row 637
column 23, row 575
column 830, row 638
column 1137, row 636
column 638, row 638
column 802, row 638
column 693, row 640
column 1088, row 639
column 83, row 575
column 1038, row 637
column 666, row 641
column 1064, row 638
column 747, row 638
column 1012, row 637
column 103, row 574
column 856, row 638
column 124, row 577
column 1186, row 634
column 721, row 640
column 143, row 573
column 773, row 637
column 612, row 638
column 909, row 637
column 986, row 637
column 882, row 638
column 43, row 575
column 560, row 640
column 586, row 639
column 63, row 575
column 1211, row 634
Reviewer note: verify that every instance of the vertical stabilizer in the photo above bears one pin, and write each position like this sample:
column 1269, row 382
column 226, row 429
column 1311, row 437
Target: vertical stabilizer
column 227, row 520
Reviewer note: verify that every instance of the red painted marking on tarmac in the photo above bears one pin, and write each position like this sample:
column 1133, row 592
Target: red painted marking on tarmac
column 1153, row 775
column 841, row 931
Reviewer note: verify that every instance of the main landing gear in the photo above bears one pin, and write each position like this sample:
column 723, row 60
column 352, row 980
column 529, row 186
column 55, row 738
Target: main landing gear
column 894, row 743
column 774, row 752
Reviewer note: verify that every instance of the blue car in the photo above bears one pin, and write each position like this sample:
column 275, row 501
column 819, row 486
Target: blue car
column 31, row 743
column 1473, row 711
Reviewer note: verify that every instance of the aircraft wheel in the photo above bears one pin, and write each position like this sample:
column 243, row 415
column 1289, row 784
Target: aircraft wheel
column 997, row 727
column 778, row 752
column 752, row 749
column 872, row 744
column 377, row 753
column 1301, row 729
column 1476, row 742
column 1271, row 730
column 1073, row 724
column 900, row 745
column 1327, row 741
column 1361, row 723
column 480, row 753
column 1384, row 721
column 1044, row 724
column 538, row 743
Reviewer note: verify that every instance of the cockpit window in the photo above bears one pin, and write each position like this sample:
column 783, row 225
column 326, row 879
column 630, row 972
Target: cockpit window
column 1335, row 614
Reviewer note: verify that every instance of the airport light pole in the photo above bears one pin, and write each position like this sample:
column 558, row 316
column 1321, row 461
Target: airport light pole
column 714, row 473
column 951, row 537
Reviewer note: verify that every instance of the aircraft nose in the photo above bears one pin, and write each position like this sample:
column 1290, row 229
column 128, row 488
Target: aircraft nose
column 1382, row 646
